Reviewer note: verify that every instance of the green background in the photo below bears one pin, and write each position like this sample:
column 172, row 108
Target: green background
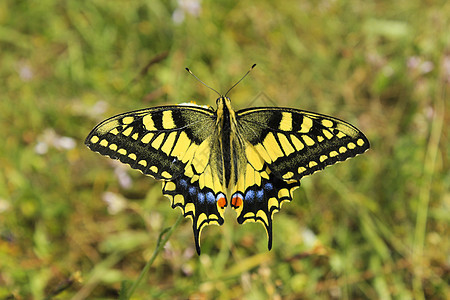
column 74, row 224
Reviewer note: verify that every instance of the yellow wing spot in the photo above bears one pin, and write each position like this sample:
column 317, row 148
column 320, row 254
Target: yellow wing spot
column 189, row 154
column 180, row 199
column 166, row 175
column 190, row 207
column 195, row 178
column 273, row 202
column 188, row 171
column 312, row 164
column 327, row 123
column 248, row 217
column 283, row 193
column 323, row 158
column 360, row 142
column 158, row 141
column 127, row 120
column 113, row 147
column 168, row 144
column 135, row 136
column 342, row 150
column 154, row 169
column 263, row 216
column 114, row 131
column 147, row 120
column 258, row 178
column 147, row 138
column 181, row 145
column 301, row 170
column 143, row 162
column 272, row 147
column 127, row 131
column 104, row 143
column 285, row 144
column 167, row 120
column 170, row 186
column 327, row 134
column 308, row 141
column 213, row 217
column 333, row 153
column 94, row 139
column 297, row 143
column 340, row 135
column 320, row 138
column 253, row 157
column 264, row 175
column 306, row 125
column 132, row 156
column 351, row 145
column 122, row 151
column 288, row 175
column 286, row 122
column 202, row 217
column 263, row 152
column 347, row 130
column 201, row 156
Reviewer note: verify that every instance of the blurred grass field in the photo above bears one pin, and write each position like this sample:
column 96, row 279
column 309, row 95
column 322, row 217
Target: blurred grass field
column 76, row 225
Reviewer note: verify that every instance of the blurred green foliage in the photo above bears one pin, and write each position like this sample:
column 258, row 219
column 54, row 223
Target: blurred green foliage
column 77, row 225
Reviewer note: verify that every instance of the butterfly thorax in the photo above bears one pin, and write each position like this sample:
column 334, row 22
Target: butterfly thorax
column 226, row 129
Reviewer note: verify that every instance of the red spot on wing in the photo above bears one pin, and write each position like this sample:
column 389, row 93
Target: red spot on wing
column 236, row 200
column 221, row 201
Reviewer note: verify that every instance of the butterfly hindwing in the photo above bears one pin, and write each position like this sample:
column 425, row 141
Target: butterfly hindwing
column 258, row 196
column 204, row 204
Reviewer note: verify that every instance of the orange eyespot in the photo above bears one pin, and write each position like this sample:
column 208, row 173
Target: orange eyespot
column 236, row 201
column 221, row 201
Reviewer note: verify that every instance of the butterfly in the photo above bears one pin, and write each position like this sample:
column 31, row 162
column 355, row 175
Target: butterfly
column 207, row 159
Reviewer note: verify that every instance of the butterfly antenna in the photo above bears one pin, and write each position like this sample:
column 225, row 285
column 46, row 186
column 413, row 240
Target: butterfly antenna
column 254, row 65
column 190, row 72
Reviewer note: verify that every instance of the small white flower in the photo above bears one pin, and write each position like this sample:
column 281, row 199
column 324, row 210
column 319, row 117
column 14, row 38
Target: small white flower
column 191, row 7
column 115, row 203
column 418, row 64
column 125, row 180
column 49, row 138
column 25, row 72
column 309, row 237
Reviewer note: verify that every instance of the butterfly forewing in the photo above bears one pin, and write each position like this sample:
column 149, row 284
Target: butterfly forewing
column 297, row 143
column 156, row 140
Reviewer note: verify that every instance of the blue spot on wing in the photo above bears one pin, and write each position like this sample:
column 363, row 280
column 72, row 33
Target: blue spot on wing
column 268, row 186
column 210, row 197
column 183, row 183
column 192, row 191
column 249, row 196
column 260, row 195
column 201, row 197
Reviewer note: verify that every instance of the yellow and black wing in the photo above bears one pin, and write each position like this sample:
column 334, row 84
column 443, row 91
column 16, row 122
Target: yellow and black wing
column 174, row 144
column 280, row 146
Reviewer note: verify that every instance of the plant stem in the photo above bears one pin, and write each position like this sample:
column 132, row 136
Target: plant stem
column 159, row 246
